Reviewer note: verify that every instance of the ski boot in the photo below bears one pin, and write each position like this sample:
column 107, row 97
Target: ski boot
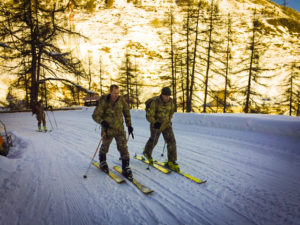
column 45, row 129
column 126, row 171
column 39, row 129
column 103, row 163
column 148, row 157
column 172, row 166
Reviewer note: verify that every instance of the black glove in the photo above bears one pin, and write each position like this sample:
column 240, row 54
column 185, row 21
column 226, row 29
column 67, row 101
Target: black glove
column 105, row 125
column 130, row 131
column 157, row 125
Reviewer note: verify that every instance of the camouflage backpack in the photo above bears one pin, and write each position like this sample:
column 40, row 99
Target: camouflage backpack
column 148, row 102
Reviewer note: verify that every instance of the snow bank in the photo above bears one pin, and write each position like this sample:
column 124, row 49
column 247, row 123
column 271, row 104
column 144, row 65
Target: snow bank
column 270, row 124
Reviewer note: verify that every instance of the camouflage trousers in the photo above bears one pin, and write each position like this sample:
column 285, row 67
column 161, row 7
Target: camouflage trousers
column 169, row 137
column 121, row 141
column 41, row 119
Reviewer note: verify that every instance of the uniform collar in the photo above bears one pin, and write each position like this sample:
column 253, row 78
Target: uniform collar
column 108, row 98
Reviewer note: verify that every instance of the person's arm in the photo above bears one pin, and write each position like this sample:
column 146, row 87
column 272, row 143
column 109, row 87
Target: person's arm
column 98, row 112
column 172, row 109
column 150, row 114
column 126, row 113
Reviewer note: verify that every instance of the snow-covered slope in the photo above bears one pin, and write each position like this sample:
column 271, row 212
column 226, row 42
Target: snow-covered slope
column 251, row 163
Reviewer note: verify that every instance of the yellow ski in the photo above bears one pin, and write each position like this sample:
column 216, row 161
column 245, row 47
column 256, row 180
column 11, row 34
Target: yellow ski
column 140, row 186
column 182, row 173
column 112, row 175
column 156, row 166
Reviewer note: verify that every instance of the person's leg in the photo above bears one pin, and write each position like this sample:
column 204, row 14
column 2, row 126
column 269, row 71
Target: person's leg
column 44, row 122
column 103, row 151
column 169, row 137
column 151, row 143
column 122, row 145
column 39, row 122
column 123, row 149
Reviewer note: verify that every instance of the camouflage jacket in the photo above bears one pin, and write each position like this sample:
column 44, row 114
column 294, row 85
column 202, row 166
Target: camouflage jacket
column 161, row 112
column 112, row 113
column 38, row 110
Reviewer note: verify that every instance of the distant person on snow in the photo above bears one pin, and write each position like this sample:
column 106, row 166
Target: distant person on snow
column 38, row 109
column 109, row 113
column 159, row 112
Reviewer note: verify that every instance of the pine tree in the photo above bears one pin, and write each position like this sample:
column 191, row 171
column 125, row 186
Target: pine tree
column 32, row 29
column 171, row 61
column 291, row 87
column 101, row 77
column 252, row 72
column 210, row 49
column 227, row 83
column 187, row 53
column 222, row 63
column 128, row 81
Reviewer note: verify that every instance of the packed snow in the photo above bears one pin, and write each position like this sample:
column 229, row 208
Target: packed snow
column 251, row 164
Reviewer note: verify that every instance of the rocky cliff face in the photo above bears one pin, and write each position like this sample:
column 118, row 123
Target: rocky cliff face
column 143, row 33
column 140, row 29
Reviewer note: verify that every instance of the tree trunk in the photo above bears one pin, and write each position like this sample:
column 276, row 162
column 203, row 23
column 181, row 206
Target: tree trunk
column 227, row 65
column 291, row 95
column 34, row 80
column 208, row 59
column 252, row 48
column 173, row 64
column 187, row 61
column 189, row 106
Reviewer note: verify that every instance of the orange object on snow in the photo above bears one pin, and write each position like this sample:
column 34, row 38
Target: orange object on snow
column 1, row 141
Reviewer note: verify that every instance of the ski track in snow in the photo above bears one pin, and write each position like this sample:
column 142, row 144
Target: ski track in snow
column 252, row 177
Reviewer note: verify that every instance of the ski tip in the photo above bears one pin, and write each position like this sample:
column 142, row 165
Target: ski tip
column 199, row 181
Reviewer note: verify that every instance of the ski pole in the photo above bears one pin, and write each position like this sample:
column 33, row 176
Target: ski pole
column 53, row 116
column 49, row 119
column 128, row 138
column 162, row 154
column 85, row 175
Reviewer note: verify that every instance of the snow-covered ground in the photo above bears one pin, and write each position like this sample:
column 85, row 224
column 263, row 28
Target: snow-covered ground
column 251, row 163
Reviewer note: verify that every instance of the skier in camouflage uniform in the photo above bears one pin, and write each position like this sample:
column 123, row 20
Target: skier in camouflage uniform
column 38, row 109
column 159, row 114
column 109, row 113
